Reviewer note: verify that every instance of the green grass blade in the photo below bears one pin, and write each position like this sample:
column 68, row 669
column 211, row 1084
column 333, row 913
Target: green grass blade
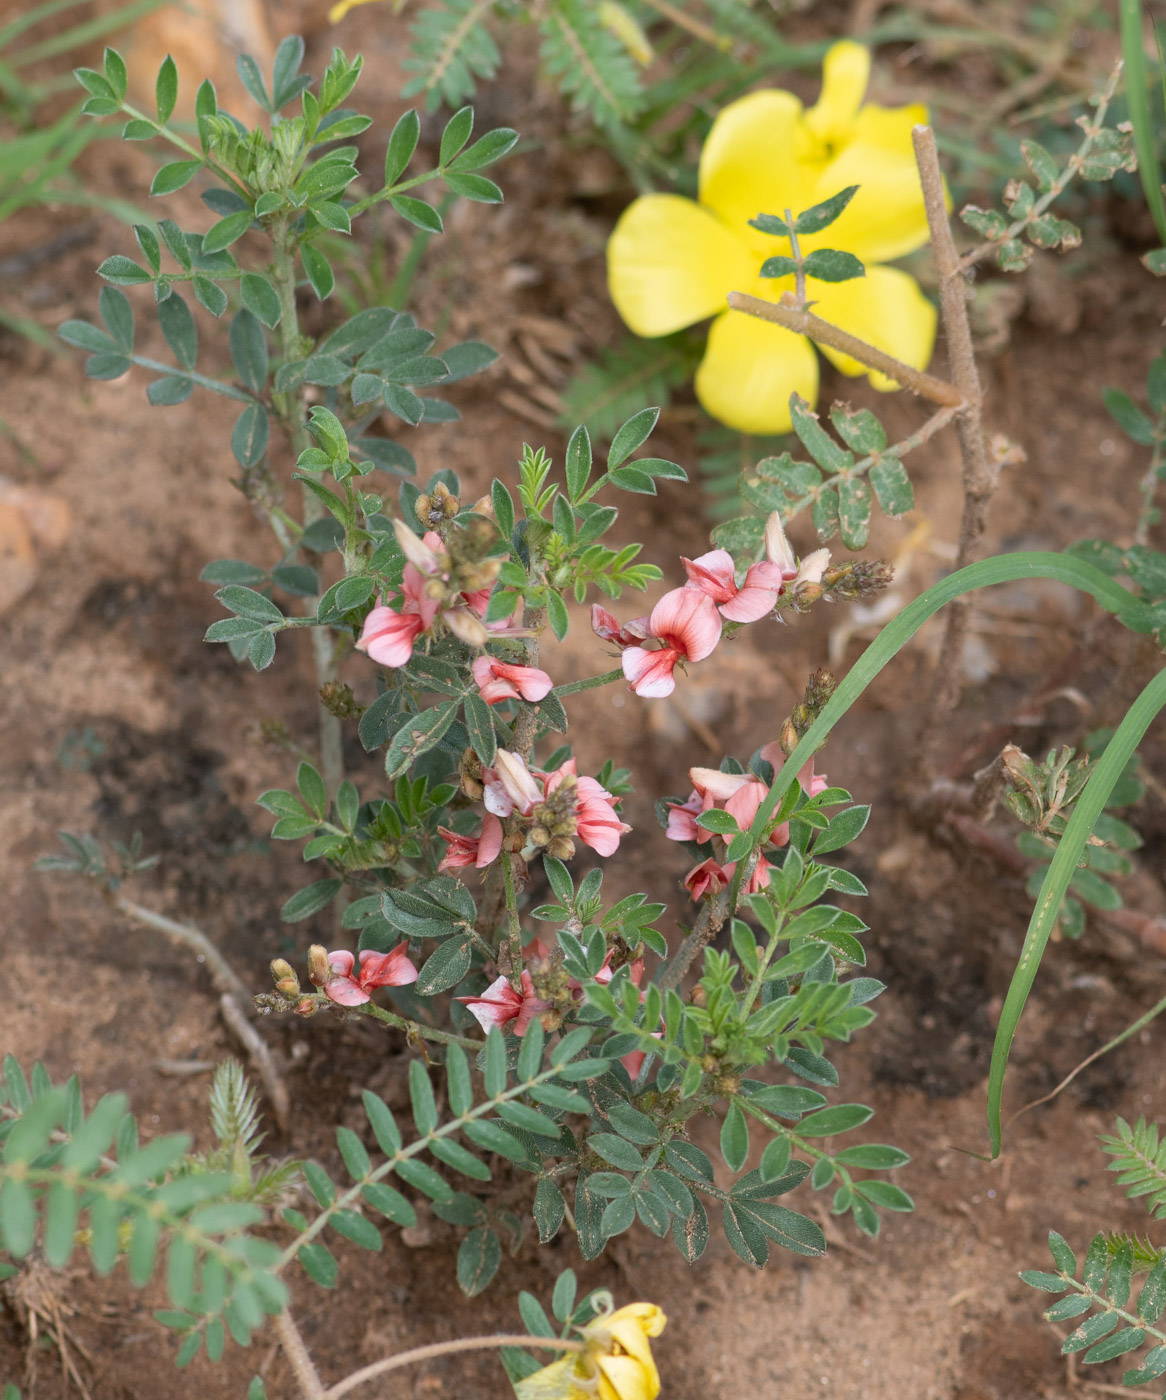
column 1061, row 870
column 99, row 27
column 1138, row 98
column 1005, row 568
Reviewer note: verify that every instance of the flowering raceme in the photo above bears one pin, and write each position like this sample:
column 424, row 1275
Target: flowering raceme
column 672, row 262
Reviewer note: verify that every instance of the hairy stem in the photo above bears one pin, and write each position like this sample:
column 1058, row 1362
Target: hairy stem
column 787, row 313
column 513, row 926
column 591, row 683
column 533, row 620
column 294, row 1348
column 435, row 1349
column 416, row 1028
column 295, row 420
column 709, row 923
column 980, row 474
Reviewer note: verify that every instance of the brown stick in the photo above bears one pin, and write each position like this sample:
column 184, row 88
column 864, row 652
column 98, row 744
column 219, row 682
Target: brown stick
column 979, row 473
column 787, row 313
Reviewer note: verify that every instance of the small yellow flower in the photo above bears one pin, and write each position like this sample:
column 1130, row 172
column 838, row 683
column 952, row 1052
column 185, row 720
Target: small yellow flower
column 672, row 262
column 339, row 10
column 617, row 1364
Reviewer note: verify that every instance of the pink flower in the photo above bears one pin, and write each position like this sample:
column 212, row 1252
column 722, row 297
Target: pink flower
column 635, row 972
column 687, row 622
column 706, row 877
column 498, row 680
column 598, row 823
column 510, row 786
column 709, row 877
column 682, row 820
column 479, row 851
column 714, row 574
column 500, row 1004
column 376, row 970
column 388, row 634
column 608, row 629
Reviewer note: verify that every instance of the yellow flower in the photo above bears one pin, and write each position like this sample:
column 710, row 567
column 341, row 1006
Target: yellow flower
column 617, row 1364
column 672, row 262
column 338, row 11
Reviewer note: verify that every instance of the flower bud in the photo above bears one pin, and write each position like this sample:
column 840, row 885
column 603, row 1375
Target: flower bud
column 421, row 509
column 484, row 505
column 560, row 847
column 318, row 969
column 307, row 1006
column 443, row 501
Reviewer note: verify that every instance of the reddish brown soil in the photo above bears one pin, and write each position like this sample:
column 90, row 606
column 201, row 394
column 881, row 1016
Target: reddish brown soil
column 118, row 718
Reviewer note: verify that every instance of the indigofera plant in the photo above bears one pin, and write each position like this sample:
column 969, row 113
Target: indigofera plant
column 436, row 606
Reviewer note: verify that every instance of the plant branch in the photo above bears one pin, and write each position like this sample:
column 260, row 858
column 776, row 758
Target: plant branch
column 234, row 997
column 513, row 927
column 708, row 924
column 303, row 1368
column 695, row 27
column 980, row 474
column 295, row 419
column 435, row 1349
column 787, row 313
column 591, row 683
column 1076, row 160
column 533, row 621
column 390, row 1018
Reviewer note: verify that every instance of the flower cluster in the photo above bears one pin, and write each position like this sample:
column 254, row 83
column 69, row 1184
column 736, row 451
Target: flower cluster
column 741, row 795
column 688, row 622
column 434, row 587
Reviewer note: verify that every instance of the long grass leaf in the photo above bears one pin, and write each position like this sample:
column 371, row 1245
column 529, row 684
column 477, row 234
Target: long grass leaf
column 1062, row 868
column 1138, row 98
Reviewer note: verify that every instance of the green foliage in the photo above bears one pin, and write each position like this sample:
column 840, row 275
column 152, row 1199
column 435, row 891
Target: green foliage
column 68, row 1177
column 1103, row 152
column 1114, row 1321
column 1042, row 796
column 625, row 379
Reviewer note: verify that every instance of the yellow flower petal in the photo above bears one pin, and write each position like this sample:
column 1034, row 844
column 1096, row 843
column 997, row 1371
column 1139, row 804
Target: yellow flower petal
column 749, row 370
column 554, row 1382
column 886, row 218
column 626, row 1378
column 648, row 1317
column 885, row 308
column 748, row 165
column 670, row 263
column 845, row 74
column 338, row 11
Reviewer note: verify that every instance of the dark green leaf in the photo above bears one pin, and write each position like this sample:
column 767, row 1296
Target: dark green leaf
column 249, row 350
column 820, row 216
column 477, row 1260
column 318, row 269
column 418, row 213
column 308, row 901
column 833, row 265
column 260, row 298
column 446, row 967
column 166, row 89
column 174, row 176
column 402, row 144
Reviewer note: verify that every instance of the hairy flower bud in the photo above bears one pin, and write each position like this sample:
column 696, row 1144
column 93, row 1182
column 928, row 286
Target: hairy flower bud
column 860, row 578
column 560, row 847
column 318, row 969
column 284, row 976
column 307, row 1006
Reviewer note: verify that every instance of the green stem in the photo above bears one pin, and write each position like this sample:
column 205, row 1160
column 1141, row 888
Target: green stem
column 348, row 1198
column 390, row 1018
column 195, row 154
column 591, row 683
column 767, row 958
column 295, row 420
column 216, row 386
